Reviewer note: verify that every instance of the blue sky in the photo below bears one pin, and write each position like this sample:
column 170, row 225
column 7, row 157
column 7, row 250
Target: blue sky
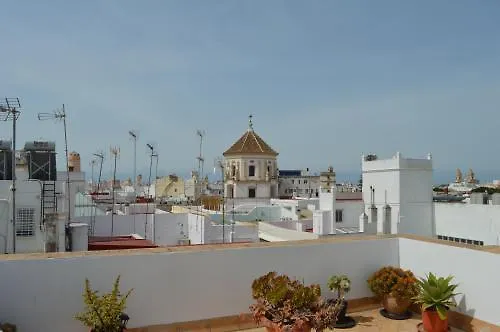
column 325, row 80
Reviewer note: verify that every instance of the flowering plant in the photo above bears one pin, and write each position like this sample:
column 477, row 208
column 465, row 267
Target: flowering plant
column 393, row 281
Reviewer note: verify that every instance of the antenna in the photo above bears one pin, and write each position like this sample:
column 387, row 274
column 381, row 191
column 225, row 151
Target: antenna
column 60, row 115
column 133, row 135
column 9, row 110
column 201, row 161
column 115, row 151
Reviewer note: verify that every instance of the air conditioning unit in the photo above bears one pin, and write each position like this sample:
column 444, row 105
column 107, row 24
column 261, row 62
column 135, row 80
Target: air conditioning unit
column 184, row 242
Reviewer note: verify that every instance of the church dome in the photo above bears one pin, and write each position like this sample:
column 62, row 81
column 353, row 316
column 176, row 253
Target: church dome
column 250, row 144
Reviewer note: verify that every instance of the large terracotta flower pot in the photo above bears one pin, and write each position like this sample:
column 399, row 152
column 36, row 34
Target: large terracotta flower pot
column 432, row 322
column 273, row 327
column 395, row 305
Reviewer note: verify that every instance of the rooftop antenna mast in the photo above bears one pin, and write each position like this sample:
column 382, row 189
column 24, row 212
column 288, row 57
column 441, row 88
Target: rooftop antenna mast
column 9, row 110
column 115, row 151
column 133, row 136
column 60, row 115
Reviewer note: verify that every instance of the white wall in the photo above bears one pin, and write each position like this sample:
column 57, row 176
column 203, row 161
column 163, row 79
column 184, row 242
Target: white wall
column 475, row 271
column 27, row 196
column 351, row 211
column 469, row 221
column 166, row 230
column 405, row 185
column 168, row 287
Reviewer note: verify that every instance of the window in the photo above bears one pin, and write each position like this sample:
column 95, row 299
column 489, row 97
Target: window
column 339, row 215
column 299, row 181
column 251, row 192
column 305, row 181
column 233, row 170
column 293, row 181
column 251, row 170
column 25, row 222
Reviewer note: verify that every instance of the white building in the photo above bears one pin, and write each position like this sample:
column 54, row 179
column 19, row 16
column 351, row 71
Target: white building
column 397, row 194
column 42, row 200
column 297, row 183
column 250, row 170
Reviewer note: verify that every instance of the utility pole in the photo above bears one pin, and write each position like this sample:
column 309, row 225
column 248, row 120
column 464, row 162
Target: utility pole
column 9, row 110
column 115, row 151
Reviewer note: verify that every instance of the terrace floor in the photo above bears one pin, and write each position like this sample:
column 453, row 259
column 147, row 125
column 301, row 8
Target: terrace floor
column 373, row 321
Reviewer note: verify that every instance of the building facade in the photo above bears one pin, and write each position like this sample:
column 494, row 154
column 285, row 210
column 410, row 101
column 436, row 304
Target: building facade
column 397, row 194
column 250, row 170
column 297, row 183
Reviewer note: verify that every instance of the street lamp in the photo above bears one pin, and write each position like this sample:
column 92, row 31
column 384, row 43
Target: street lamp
column 9, row 110
column 115, row 151
column 219, row 162
column 133, row 135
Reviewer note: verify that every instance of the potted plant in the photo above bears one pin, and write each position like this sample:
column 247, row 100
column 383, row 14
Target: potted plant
column 104, row 313
column 283, row 304
column 341, row 285
column 435, row 295
column 396, row 288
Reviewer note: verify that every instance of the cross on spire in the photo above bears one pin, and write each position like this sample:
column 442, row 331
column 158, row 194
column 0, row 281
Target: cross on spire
column 250, row 123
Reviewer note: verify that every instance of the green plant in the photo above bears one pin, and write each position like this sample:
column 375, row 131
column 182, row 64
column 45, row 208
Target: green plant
column 436, row 293
column 290, row 304
column 341, row 284
column 393, row 281
column 103, row 313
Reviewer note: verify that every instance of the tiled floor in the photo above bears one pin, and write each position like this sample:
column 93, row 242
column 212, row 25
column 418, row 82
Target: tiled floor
column 373, row 321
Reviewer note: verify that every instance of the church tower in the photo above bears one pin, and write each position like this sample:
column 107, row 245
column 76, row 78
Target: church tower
column 251, row 169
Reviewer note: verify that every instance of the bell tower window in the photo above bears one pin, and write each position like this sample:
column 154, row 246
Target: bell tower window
column 251, row 170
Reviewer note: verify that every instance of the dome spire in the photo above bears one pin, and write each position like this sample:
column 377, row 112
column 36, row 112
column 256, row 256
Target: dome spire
column 250, row 123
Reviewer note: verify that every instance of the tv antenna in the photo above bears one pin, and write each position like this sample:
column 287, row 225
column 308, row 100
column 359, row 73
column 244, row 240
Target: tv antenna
column 9, row 111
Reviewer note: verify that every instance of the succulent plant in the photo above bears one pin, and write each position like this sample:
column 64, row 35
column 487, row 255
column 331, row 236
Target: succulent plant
column 290, row 304
column 341, row 284
column 436, row 293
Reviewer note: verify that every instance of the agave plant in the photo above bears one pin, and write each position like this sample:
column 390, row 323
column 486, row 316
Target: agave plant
column 436, row 293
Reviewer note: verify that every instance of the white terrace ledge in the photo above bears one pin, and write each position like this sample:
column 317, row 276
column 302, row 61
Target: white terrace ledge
column 192, row 283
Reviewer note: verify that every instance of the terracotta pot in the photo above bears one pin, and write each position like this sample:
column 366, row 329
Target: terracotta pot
column 395, row 305
column 432, row 322
column 273, row 327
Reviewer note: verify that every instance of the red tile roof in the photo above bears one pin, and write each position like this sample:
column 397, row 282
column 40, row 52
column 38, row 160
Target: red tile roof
column 250, row 143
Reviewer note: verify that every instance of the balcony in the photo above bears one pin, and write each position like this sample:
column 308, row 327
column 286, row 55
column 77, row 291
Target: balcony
column 208, row 287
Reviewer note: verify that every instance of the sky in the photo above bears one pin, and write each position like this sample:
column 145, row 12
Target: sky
column 326, row 81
